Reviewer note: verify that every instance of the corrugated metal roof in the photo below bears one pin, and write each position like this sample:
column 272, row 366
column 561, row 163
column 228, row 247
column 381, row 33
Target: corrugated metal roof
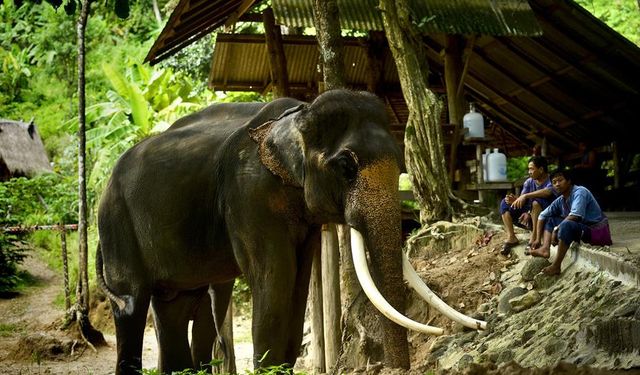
column 231, row 69
column 580, row 80
column 490, row 17
column 190, row 21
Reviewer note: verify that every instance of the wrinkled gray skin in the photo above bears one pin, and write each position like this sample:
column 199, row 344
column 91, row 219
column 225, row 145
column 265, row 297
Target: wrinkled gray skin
column 218, row 195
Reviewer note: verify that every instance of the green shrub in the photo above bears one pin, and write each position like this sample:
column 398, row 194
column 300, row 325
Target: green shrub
column 10, row 257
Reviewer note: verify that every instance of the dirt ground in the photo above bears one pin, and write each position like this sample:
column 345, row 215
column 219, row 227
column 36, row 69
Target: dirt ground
column 31, row 341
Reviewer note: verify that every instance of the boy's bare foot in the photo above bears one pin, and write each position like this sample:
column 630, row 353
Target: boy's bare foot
column 551, row 270
column 540, row 253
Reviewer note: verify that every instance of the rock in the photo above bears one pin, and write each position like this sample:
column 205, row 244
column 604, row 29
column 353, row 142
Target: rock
column 441, row 237
column 555, row 346
column 542, row 281
column 616, row 335
column 509, row 293
column 440, row 346
column 504, row 356
column 532, row 267
column 464, row 362
column 627, row 310
column 525, row 301
column 485, row 307
column 526, row 336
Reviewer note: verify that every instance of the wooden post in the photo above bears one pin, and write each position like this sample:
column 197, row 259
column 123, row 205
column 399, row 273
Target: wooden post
column 316, row 312
column 453, row 68
column 616, row 165
column 331, row 294
column 277, row 59
column 375, row 62
column 65, row 267
column 480, row 173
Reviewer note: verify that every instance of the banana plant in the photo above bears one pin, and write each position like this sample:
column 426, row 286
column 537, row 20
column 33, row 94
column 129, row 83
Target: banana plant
column 141, row 102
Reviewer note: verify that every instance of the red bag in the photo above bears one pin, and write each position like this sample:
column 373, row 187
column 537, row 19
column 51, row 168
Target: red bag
column 600, row 233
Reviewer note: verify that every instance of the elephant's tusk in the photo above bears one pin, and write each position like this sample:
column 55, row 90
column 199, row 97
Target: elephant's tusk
column 423, row 290
column 362, row 271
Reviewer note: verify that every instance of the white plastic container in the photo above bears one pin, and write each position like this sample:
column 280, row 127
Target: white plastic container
column 497, row 166
column 485, row 165
column 474, row 122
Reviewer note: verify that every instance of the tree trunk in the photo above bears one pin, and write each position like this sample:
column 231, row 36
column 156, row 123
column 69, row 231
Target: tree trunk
column 90, row 334
column 328, row 33
column 327, row 22
column 83, row 281
column 424, row 152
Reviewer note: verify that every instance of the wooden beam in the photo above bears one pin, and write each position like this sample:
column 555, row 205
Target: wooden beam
column 522, row 86
column 277, row 59
column 453, row 70
column 244, row 6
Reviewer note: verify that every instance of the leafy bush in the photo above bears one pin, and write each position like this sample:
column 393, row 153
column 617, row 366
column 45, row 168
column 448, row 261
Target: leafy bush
column 46, row 199
column 10, row 257
column 517, row 168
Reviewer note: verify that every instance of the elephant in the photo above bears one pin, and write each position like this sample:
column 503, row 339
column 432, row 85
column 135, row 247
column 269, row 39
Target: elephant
column 244, row 188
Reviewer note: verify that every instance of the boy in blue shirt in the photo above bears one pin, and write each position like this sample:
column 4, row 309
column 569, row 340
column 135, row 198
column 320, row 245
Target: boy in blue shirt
column 537, row 194
column 575, row 215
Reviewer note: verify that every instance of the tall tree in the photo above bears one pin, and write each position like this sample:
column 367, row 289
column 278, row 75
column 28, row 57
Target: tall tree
column 424, row 151
column 83, row 282
column 327, row 22
column 329, row 35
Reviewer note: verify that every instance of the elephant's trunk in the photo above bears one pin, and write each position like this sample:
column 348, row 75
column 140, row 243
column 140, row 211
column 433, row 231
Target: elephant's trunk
column 373, row 210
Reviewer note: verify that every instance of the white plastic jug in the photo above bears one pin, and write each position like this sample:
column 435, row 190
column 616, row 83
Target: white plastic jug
column 497, row 164
column 474, row 122
column 485, row 165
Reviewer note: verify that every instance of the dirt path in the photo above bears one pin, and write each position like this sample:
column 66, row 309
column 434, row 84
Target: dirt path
column 31, row 341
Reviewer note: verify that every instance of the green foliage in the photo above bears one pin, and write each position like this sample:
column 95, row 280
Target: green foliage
column 270, row 370
column 10, row 257
column 46, row 199
column 518, row 168
column 140, row 102
column 241, row 295
column 621, row 15
column 405, row 184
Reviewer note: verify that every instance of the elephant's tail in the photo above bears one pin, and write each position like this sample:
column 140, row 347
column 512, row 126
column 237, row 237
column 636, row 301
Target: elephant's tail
column 120, row 302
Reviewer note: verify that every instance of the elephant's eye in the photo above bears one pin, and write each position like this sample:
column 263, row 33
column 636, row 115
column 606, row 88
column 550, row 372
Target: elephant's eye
column 347, row 165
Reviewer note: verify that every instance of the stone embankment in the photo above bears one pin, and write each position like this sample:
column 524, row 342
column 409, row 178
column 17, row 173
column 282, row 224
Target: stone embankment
column 588, row 316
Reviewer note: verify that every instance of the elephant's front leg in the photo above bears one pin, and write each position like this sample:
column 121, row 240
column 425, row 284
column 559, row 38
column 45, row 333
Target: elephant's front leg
column 271, row 271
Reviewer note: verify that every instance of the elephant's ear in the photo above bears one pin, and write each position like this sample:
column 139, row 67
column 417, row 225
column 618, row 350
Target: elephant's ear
column 278, row 156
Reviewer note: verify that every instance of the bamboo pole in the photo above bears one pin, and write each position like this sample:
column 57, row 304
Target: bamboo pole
column 331, row 294
column 316, row 313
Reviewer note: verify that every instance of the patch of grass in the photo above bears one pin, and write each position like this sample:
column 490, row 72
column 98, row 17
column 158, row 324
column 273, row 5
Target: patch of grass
column 8, row 329
column 271, row 370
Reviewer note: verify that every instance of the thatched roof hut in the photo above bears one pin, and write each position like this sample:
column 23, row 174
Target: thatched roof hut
column 21, row 150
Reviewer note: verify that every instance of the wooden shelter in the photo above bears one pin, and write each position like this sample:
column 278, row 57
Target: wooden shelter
column 541, row 71
column 22, row 153
column 579, row 80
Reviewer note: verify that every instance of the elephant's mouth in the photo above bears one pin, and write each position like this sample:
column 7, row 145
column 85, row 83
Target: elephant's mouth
column 412, row 278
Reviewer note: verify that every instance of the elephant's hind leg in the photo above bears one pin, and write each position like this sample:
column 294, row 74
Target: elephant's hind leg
column 130, row 333
column 221, row 297
column 171, row 321
column 203, row 333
